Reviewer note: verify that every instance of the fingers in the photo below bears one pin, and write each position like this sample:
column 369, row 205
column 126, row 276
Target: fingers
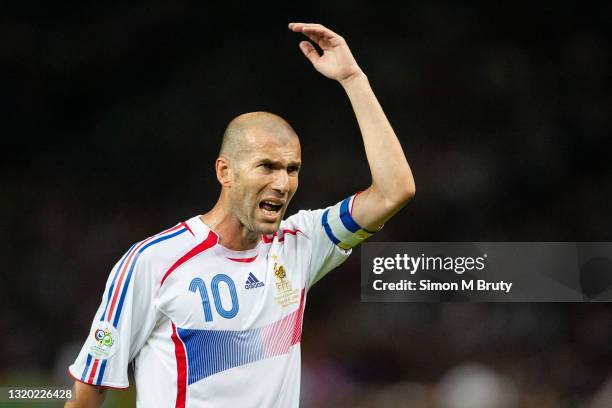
column 314, row 29
column 309, row 51
column 319, row 40
column 319, row 34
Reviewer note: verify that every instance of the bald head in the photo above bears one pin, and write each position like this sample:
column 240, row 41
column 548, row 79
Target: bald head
column 242, row 132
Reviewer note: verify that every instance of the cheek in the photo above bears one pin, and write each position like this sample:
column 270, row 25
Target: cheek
column 294, row 185
column 249, row 190
column 251, row 186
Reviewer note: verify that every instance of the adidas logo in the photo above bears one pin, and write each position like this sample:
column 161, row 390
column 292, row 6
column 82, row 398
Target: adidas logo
column 252, row 282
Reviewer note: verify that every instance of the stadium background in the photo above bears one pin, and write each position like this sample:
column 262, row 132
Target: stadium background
column 112, row 117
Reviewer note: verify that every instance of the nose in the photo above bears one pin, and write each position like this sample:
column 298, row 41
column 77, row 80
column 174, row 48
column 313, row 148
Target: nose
column 281, row 181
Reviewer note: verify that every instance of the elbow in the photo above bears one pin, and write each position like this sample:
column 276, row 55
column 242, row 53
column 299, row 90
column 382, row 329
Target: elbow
column 406, row 194
column 410, row 192
column 402, row 195
column 395, row 196
column 405, row 188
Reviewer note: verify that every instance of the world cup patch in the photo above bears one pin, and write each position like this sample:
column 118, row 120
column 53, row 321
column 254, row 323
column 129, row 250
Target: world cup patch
column 103, row 341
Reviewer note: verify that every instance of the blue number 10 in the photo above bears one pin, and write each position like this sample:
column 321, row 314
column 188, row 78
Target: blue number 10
column 198, row 284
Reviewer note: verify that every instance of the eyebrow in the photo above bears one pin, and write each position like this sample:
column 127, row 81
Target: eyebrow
column 279, row 164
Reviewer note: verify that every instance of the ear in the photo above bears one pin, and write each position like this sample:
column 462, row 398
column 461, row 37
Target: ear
column 224, row 172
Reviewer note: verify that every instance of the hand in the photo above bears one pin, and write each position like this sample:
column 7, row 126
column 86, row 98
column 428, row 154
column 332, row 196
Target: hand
column 337, row 62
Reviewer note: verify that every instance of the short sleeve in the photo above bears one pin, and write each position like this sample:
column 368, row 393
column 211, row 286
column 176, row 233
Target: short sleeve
column 121, row 326
column 333, row 233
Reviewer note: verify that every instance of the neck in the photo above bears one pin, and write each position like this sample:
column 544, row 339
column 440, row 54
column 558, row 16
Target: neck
column 232, row 233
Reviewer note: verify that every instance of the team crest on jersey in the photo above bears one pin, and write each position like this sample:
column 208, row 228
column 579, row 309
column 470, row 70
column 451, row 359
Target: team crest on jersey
column 285, row 294
column 103, row 341
column 252, row 282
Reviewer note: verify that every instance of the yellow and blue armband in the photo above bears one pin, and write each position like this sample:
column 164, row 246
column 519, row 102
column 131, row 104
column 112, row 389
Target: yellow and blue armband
column 340, row 226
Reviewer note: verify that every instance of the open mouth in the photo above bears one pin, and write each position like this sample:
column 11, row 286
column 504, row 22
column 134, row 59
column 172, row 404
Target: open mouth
column 270, row 208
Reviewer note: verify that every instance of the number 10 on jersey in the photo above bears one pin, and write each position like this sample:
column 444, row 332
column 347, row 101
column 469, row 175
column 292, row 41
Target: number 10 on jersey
column 198, row 285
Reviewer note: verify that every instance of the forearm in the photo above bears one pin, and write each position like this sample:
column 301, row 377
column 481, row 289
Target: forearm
column 392, row 182
column 86, row 396
column 391, row 175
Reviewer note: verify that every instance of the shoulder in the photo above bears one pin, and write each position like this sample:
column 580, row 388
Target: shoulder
column 157, row 251
column 302, row 220
column 298, row 225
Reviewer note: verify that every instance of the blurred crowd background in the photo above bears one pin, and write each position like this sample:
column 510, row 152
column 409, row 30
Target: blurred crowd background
column 111, row 121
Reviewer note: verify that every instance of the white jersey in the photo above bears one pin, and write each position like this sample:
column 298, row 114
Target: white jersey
column 207, row 326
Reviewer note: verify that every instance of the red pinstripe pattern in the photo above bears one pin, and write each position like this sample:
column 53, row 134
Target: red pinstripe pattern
column 297, row 327
column 281, row 335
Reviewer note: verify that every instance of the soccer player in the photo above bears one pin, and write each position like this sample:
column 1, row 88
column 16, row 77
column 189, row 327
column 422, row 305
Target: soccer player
column 211, row 309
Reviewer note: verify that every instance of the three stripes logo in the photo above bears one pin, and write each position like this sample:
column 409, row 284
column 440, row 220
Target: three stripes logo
column 252, row 282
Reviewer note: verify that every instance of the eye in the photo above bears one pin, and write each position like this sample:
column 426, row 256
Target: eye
column 293, row 169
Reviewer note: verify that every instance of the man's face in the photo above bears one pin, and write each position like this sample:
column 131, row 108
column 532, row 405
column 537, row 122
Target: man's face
column 265, row 177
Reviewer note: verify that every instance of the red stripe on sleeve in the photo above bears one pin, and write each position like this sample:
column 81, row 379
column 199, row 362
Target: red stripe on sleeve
column 100, row 386
column 93, row 371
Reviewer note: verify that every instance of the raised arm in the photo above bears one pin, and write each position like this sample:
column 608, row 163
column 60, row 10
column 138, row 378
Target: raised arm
column 392, row 182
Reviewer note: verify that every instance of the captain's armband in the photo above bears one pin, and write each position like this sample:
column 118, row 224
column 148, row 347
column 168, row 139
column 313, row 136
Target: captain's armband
column 340, row 226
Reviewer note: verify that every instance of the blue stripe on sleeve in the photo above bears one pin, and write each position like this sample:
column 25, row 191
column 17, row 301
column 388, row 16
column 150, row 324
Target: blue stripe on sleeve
column 129, row 277
column 101, row 373
column 112, row 287
column 328, row 230
column 86, row 367
column 346, row 218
